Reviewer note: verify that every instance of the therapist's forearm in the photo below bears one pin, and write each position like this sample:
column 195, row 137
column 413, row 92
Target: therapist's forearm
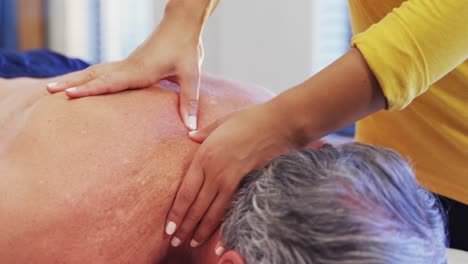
column 339, row 95
column 183, row 20
column 197, row 11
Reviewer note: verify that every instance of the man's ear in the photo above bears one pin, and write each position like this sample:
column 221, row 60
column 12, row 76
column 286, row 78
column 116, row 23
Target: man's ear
column 231, row 257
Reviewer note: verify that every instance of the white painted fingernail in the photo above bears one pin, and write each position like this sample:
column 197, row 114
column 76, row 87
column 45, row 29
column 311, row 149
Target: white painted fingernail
column 194, row 243
column 71, row 90
column 175, row 242
column 52, row 85
column 193, row 133
column 219, row 251
column 171, row 228
column 192, row 122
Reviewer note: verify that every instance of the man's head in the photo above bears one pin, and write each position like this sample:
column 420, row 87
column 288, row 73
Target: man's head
column 354, row 203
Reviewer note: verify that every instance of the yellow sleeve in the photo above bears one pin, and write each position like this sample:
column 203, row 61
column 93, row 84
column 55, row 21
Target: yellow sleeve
column 414, row 46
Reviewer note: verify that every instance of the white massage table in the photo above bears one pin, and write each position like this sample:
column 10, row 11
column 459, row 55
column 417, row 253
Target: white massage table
column 455, row 256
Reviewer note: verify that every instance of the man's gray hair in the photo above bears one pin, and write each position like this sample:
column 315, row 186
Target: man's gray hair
column 354, row 203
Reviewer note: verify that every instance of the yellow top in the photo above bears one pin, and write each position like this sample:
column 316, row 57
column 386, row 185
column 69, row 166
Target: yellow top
column 418, row 51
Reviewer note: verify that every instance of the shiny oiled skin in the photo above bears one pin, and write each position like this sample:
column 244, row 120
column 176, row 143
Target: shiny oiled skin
column 91, row 180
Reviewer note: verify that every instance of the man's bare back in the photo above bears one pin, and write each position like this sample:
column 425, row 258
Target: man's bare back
column 91, row 180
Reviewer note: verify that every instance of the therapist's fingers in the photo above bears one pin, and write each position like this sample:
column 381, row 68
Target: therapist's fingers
column 212, row 219
column 186, row 195
column 103, row 84
column 203, row 201
column 73, row 79
column 219, row 249
column 189, row 94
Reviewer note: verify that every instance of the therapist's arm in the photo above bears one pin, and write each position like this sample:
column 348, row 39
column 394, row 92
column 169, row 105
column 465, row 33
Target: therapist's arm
column 341, row 94
column 401, row 56
column 194, row 8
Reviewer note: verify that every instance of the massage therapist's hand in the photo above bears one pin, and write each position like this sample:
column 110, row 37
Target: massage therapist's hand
column 245, row 141
column 172, row 52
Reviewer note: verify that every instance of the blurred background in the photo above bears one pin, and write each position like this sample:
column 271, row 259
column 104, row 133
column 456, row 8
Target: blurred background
column 274, row 43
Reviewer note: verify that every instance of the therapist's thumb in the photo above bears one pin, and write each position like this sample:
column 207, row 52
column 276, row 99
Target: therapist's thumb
column 189, row 89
